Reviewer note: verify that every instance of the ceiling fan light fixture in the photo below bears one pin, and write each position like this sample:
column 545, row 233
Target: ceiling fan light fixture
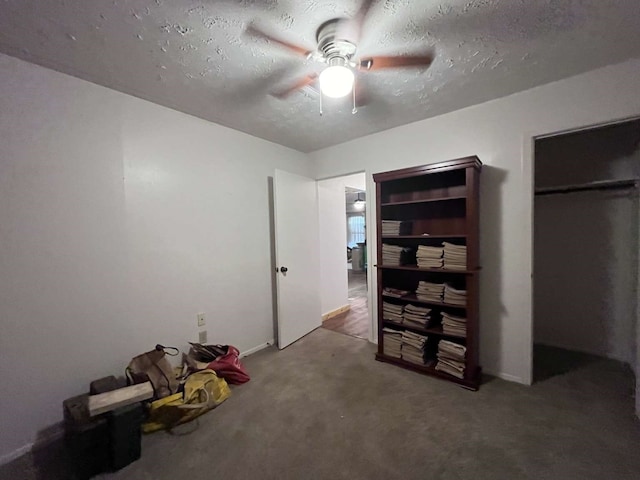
column 336, row 81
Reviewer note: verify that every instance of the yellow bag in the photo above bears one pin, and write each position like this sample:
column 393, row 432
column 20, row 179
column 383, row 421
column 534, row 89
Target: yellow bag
column 203, row 391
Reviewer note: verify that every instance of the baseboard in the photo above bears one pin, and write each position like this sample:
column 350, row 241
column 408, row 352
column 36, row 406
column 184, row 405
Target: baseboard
column 336, row 312
column 506, row 376
column 257, row 349
column 45, row 438
column 17, row 453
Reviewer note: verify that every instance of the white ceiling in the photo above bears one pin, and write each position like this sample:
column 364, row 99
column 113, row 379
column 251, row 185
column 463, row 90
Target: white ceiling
column 195, row 57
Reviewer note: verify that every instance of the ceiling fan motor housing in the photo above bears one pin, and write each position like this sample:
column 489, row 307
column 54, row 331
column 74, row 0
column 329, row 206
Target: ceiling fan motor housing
column 335, row 50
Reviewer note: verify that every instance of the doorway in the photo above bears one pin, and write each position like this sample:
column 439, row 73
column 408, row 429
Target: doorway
column 586, row 231
column 344, row 256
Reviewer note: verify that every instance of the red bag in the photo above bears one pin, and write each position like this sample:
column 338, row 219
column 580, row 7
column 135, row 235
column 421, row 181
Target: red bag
column 228, row 366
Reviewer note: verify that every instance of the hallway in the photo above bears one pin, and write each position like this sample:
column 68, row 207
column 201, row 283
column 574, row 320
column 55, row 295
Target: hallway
column 355, row 321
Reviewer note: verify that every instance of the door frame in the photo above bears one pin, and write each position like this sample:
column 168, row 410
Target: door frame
column 372, row 335
column 528, row 191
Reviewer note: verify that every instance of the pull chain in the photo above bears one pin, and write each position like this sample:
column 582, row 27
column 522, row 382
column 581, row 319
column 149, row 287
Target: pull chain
column 353, row 91
column 320, row 102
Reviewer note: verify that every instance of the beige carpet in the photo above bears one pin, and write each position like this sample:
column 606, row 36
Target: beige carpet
column 324, row 409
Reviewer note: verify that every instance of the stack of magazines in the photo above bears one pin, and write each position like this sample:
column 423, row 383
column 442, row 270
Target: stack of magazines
column 430, row 292
column 392, row 312
column 453, row 325
column 417, row 316
column 395, row 255
column 429, row 257
column 454, row 296
column 455, row 256
column 392, row 342
column 451, row 358
column 413, row 346
column 395, row 227
column 394, row 292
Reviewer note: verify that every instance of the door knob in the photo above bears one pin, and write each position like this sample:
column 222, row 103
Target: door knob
column 284, row 269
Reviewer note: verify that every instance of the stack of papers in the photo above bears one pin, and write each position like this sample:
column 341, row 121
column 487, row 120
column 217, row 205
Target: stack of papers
column 394, row 254
column 395, row 227
column 429, row 257
column 455, row 256
column 430, row 292
column 413, row 346
column 417, row 316
column 452, row 325
column 392, row 342
column 392, row 312
column 451, row 358
column 394, row 292
column 453, row 296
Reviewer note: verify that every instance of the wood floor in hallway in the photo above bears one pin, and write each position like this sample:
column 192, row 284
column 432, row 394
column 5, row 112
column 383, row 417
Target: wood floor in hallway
column 354, row 322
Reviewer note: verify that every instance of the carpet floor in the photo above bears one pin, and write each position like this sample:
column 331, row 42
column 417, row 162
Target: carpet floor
column 323, row 408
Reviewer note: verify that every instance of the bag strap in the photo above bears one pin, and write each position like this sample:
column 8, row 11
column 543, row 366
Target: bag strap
column 162, row 348
column 194, row 406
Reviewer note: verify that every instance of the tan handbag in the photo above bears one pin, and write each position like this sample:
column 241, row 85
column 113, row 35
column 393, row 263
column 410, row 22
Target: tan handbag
column 154, row 367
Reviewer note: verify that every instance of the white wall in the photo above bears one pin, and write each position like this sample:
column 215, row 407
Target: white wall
column 334, row 289
column 586, row 243
column 119, row 221
column 500, row 133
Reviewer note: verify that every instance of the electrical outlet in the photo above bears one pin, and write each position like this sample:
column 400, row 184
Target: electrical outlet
column 202, row 336
column 201, row 322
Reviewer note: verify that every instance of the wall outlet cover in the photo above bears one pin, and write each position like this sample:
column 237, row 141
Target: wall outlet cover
column 202, row 337
column 201, row 320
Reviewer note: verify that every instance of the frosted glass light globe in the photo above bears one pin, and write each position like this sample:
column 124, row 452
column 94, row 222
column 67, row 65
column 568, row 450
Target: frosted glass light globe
column 336, row 81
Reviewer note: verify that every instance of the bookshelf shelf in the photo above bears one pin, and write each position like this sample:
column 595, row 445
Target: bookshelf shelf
column 423, row 237
column 429, row 369
column 414, row 299
column 432, row 270
column 429, row 331
column 442, row 199
column 426, row 200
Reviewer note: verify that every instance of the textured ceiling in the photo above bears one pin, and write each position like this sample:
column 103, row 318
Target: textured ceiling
column 195, row 57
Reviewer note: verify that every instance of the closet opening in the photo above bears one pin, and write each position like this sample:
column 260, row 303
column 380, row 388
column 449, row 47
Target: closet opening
column 586, row 242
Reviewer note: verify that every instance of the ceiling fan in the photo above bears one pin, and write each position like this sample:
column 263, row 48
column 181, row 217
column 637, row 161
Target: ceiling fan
column 337, row 48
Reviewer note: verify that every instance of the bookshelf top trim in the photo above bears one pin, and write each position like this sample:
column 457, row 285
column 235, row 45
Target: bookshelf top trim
column 455, row 164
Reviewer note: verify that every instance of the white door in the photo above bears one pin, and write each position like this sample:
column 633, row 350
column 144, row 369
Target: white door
column 298, row 268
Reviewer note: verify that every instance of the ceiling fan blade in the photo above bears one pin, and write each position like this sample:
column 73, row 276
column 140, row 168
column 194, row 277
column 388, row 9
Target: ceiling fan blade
column 303, row 82
column 351, row 29
column 379, row 63
column 252, row 30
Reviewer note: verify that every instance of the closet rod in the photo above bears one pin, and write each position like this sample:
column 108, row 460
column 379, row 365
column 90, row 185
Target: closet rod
column 604, row 185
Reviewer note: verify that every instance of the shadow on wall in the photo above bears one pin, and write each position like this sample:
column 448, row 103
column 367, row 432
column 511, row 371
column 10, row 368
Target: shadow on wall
column 49, row 461
column 491, row 307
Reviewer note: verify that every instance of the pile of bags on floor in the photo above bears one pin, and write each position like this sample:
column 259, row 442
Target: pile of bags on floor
column 186, row 392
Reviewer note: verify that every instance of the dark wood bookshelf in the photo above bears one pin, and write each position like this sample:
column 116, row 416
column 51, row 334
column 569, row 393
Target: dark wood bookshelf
column 442, row 199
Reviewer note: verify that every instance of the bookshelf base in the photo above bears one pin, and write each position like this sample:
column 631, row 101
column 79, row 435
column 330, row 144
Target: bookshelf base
column 471, row 384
